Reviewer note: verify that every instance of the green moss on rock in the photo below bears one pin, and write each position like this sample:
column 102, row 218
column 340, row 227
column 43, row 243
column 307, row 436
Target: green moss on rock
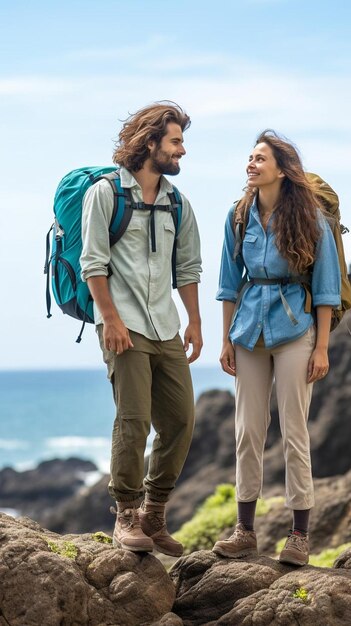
column 301, row 594
column 66, row 549
column 101, row 537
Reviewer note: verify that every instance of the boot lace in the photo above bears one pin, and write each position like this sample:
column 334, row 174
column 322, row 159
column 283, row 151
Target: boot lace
column 156, row 520
column 130, row 517
column 241, row 535
column 297, row 541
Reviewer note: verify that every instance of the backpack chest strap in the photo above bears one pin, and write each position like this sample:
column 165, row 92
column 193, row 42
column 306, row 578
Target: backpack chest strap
column 144, row 206
column 123, row 208
column 303, row 280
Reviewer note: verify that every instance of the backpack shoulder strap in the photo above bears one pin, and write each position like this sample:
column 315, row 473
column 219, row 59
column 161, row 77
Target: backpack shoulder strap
column 122, row 207
column 239, row 223
column 176, row 207
column 176, row 211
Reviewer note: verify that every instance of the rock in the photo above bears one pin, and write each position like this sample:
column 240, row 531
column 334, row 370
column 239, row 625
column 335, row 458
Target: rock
column 170, row 619
column 76, row 580
column 85, row 511
column 81, row 580
column 259, row 591
column 323, row 599
column 46, row 486
column 344, row 560
column 207, row 587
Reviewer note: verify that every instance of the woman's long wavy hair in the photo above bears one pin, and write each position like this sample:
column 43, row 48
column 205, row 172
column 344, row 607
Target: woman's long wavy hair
column 295, row 221
column 148, row 124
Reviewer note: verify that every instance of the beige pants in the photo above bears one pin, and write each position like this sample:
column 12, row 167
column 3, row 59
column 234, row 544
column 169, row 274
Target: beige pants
column 287, row 364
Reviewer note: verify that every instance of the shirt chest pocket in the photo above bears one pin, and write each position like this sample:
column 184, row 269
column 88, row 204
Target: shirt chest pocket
column 250, row 250
column 134, row 224
column 250, row 239
column 168, row 237
column 133, row 236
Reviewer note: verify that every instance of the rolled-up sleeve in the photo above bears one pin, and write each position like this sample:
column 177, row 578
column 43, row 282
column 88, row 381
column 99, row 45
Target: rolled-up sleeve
column 188, row 263
column 326, row 271
column 96, row 217
column 230, row 274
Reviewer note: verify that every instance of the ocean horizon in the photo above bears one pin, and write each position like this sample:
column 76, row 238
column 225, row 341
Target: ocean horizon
column 48, row 414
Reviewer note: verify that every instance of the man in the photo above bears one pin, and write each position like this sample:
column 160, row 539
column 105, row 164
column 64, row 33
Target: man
column 137, row 323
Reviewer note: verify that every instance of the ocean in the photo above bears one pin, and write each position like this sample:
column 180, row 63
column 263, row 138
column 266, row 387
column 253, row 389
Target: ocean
column 65, row 413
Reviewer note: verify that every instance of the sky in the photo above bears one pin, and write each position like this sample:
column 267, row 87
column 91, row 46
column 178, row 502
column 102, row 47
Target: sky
column 71, row 71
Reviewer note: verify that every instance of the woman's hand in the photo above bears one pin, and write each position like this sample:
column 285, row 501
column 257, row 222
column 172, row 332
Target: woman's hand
column 318, row 365
column 227, row 358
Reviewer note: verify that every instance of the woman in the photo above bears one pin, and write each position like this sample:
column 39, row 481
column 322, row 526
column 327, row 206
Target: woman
column 268, row 334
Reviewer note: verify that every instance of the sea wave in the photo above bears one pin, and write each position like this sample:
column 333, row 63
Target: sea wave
column 13, row 444
column 73, row 443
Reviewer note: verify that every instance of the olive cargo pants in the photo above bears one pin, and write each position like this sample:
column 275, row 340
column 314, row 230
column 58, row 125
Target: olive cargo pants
column 151, row 385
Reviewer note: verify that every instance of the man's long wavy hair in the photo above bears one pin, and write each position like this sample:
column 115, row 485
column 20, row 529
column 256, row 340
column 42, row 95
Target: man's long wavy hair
column 295, row 223
column 148, row 124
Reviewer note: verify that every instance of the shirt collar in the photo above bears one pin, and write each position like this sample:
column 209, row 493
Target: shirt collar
column 128, row 180
column 254, row 207
column 254, row 210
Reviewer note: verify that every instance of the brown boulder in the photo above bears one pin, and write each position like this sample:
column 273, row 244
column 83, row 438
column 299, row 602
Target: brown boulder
column 75, row 580
column 319, row 597
column 259, row 592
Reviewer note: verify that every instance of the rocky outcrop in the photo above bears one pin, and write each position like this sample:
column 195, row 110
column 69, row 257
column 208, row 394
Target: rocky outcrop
column 49, row 485
column 79, row 580
column 52, row 580
column 259, row 592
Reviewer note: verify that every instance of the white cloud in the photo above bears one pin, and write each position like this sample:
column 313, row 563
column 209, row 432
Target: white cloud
column 43, row 86
column 119, row 53
column 261, row 94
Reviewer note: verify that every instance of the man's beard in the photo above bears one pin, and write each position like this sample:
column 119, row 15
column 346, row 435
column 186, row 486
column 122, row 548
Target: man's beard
column 163, row 164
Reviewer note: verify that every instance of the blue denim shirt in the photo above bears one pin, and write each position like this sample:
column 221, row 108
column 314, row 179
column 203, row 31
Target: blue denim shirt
column 261, row 308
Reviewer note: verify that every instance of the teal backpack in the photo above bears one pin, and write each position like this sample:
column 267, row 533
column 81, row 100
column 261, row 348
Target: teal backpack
column 64, row 239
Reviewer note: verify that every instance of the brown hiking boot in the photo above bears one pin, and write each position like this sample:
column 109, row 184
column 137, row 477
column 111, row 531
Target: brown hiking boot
column 241, row 543
column 153, row 524
column 127, row 533
column 296, row 549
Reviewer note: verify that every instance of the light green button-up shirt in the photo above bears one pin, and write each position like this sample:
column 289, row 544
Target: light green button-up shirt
column 140, row 285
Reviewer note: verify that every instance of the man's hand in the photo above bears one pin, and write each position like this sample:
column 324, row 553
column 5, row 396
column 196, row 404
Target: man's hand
column 116, row 336
column 189, row 296
column 193, row 336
